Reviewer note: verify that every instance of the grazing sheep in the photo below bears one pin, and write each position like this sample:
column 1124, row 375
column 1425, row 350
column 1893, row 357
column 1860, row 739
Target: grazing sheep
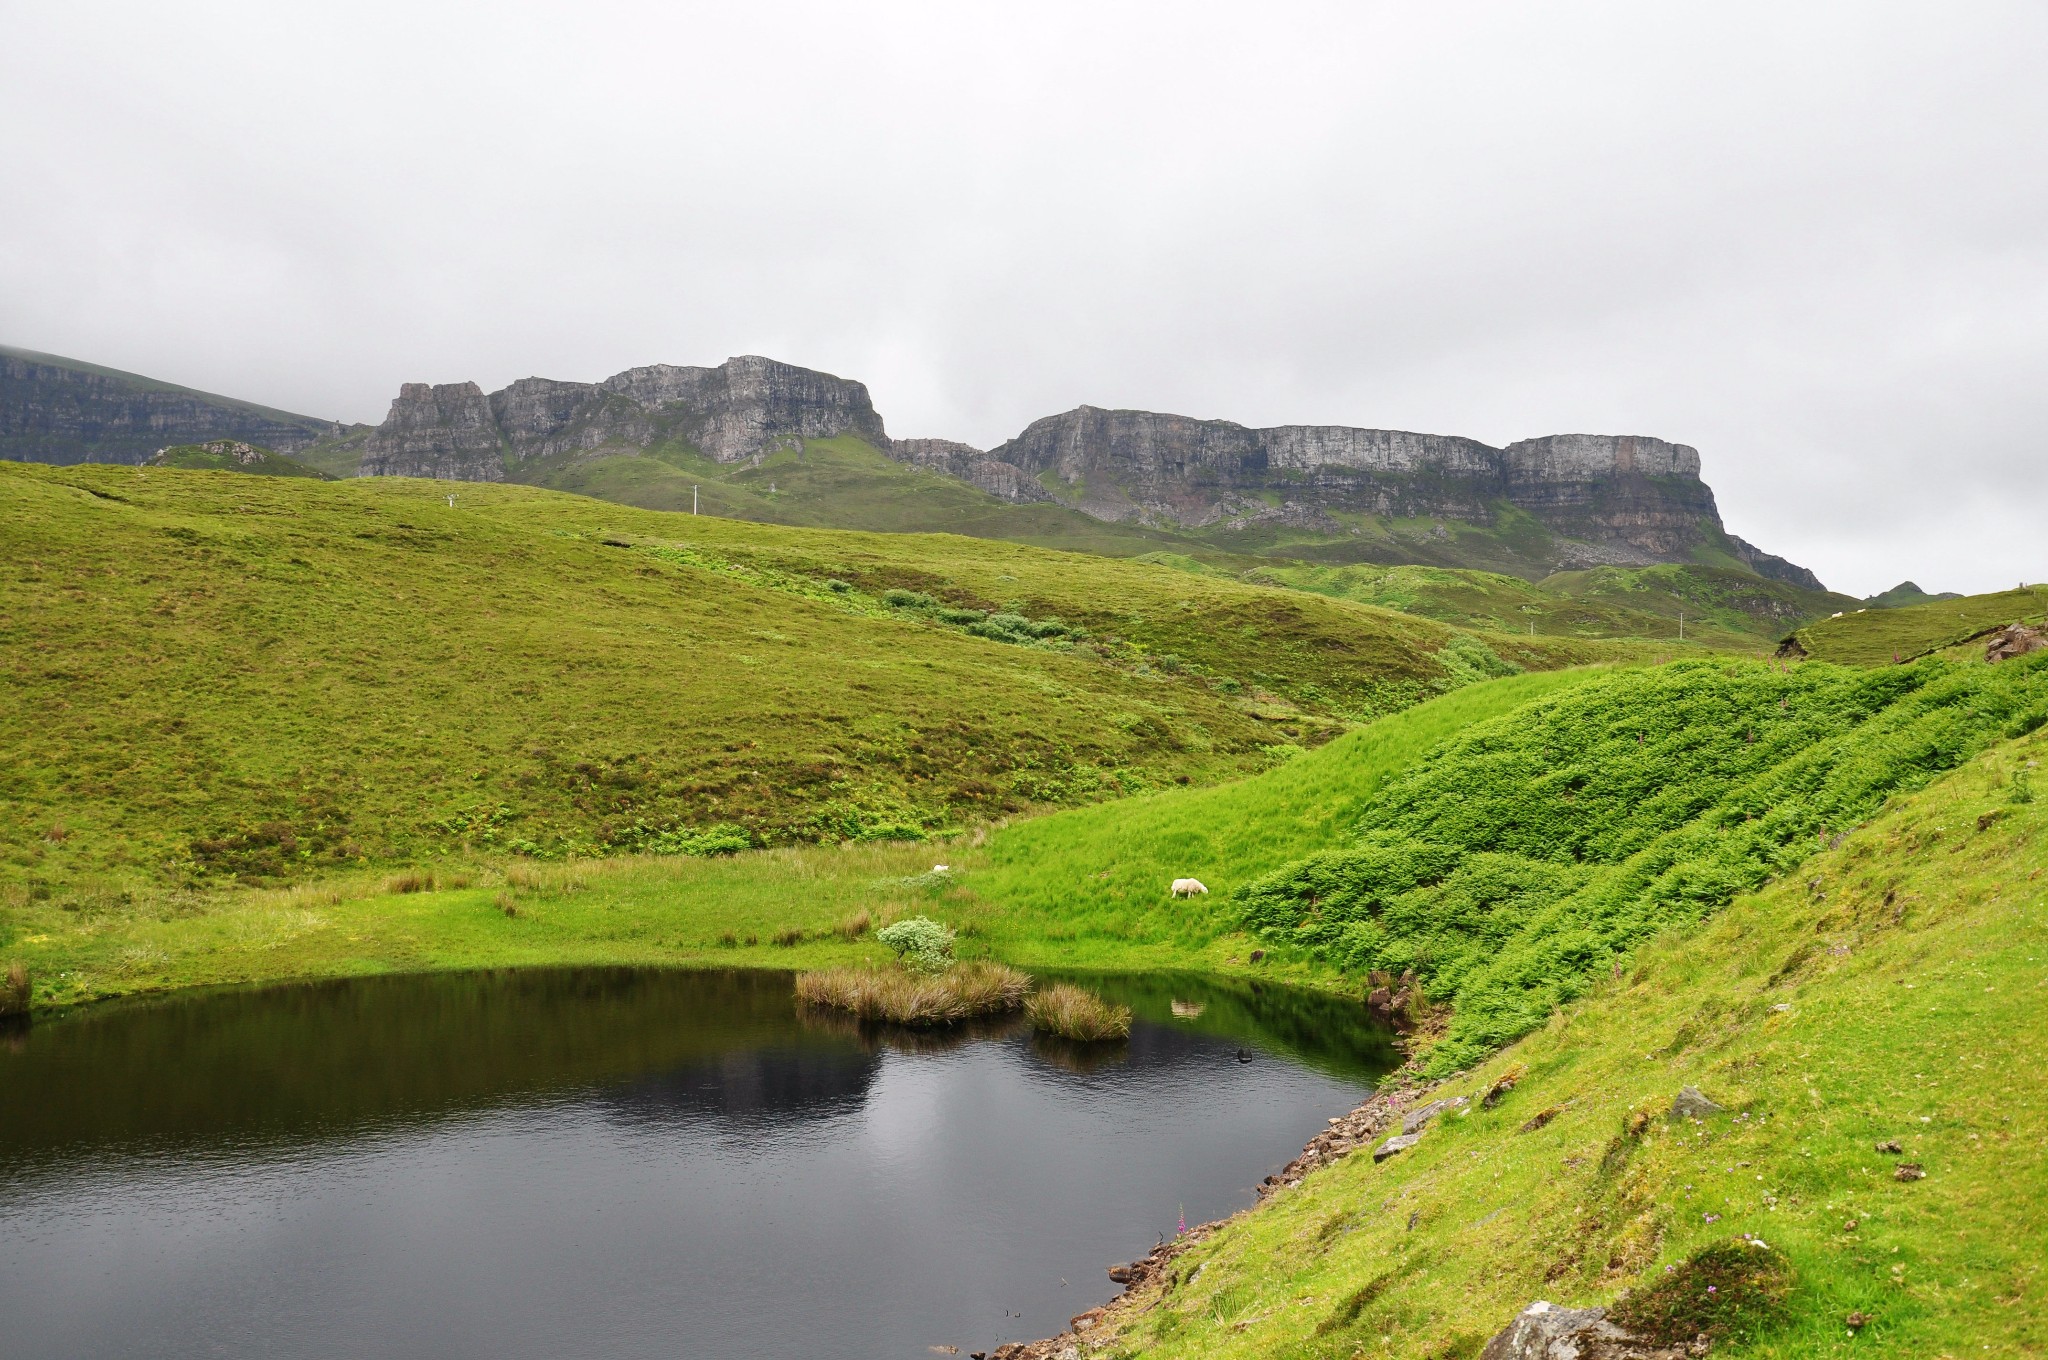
column 1188, row 887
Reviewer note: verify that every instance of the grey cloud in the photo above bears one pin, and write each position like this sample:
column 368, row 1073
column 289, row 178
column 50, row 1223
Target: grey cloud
column 1805, row 239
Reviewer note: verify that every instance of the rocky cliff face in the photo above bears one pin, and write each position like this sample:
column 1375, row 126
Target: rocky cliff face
column 55, row 410
column 970, row 465
column 740, row 410
column 1608, row 499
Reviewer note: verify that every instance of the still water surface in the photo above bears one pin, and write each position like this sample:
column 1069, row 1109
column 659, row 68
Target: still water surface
column 619, row 1163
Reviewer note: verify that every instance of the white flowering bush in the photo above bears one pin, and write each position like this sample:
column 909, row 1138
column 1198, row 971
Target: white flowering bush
column 922, row 943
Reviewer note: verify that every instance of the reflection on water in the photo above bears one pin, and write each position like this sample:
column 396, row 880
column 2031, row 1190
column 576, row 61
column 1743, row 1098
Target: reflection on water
column 618, row 1162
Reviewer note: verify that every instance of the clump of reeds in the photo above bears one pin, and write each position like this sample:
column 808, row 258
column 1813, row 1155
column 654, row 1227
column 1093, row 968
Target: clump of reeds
column 903, row 997
column 789, row 936
column 1076, row 1013
column 508, row 904
column 14, row 995
column 414, row 881
column 854, row 926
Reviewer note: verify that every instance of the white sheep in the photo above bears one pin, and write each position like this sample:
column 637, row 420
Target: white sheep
column 1188, row 887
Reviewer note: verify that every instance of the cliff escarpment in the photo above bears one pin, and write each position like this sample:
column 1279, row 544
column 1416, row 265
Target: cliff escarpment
column 735, row 413
column 57, row 410
column 1601, row 499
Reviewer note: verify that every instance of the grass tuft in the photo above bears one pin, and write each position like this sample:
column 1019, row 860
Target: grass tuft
column 411, row 882
column 14, row 995
column 1076, row 1013
column 901, row 997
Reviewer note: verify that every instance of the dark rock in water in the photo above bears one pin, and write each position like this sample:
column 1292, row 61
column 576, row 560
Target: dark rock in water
column 1690, row 1104
column 1543, row 1331
column 1244, row 1055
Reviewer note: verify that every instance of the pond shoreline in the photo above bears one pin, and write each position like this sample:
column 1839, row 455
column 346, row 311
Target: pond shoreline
column 1150, row 1274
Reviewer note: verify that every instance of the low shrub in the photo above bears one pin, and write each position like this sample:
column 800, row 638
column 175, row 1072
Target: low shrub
column 902, row 997
column 1076, row 1013
column 923, row 945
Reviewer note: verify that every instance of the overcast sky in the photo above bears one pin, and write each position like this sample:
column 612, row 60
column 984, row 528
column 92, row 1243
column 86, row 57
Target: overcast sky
column 1809, row 239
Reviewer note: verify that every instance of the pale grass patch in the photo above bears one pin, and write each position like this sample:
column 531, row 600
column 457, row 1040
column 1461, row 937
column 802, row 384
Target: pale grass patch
column 1076, row 1013
column 901, row 997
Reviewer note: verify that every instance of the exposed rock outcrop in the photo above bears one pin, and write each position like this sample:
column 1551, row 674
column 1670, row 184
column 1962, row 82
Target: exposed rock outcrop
column 1543, row 1331
column 2015, row 640
column 970, row 465
column 447, row 430
column 1775, row 568
column 1622, row 500
column 740, row 410
column 56, row 410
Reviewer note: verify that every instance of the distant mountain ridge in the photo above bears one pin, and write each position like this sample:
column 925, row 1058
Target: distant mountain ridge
column 1330, row 492
column 1612, row 500
column 58, row 410
column 743, row 408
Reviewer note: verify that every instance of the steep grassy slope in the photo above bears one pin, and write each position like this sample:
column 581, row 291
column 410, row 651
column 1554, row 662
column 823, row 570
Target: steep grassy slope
column 1084, row 887
column 220, row 676
column 1881, row 637
column 1533, row 850
column 1883, row 993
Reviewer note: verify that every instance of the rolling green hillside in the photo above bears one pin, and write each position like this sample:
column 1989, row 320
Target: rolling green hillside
column 1885, row 636
column 230, row 455
column 1859, row 1016
column 219, row 677
column 1711, row 606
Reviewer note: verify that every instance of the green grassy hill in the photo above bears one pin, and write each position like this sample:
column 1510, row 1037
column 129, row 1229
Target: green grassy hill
column 1713, row 607
column 1879, row 996
column 1093, row 881
column 221, row 677
column 232, row 455
column 1884, row 636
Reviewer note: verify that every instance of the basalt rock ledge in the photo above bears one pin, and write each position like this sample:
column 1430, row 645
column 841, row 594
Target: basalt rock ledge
column 740, row 411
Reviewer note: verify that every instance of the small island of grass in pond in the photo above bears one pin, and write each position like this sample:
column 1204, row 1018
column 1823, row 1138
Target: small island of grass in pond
column 1076, row 1013
column 905, row 996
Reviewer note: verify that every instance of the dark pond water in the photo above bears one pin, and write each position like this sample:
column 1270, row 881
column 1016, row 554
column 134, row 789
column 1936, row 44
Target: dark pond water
column 619, row 1163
